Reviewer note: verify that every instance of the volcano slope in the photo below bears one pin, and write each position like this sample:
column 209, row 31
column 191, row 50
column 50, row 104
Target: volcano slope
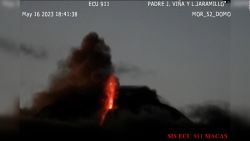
column 139, row 115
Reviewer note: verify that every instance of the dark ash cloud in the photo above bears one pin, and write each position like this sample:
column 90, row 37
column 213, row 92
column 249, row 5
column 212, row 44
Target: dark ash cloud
column 13, row 48
column 85, row 69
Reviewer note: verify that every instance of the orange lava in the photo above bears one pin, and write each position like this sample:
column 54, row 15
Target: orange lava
column 111, row 89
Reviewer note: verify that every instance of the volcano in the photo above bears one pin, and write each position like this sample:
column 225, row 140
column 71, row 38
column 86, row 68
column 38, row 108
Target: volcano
column 85, row 101
column 139, row 115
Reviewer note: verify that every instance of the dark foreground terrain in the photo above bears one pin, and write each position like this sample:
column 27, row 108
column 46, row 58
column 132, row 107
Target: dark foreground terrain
column 139, row 116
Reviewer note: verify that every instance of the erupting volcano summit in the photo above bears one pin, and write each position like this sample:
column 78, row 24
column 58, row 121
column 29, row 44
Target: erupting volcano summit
column 85, row 93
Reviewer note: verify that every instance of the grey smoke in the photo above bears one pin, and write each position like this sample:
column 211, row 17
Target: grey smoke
column 132, row 70
column 29, row 50
column 208, row 113
column 220, row 116
column 217, row 114
column 11, row 47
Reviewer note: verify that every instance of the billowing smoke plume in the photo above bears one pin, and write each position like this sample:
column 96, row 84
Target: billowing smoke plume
column 85, row 69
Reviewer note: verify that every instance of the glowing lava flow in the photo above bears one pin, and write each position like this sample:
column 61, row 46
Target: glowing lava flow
column 111, row 89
